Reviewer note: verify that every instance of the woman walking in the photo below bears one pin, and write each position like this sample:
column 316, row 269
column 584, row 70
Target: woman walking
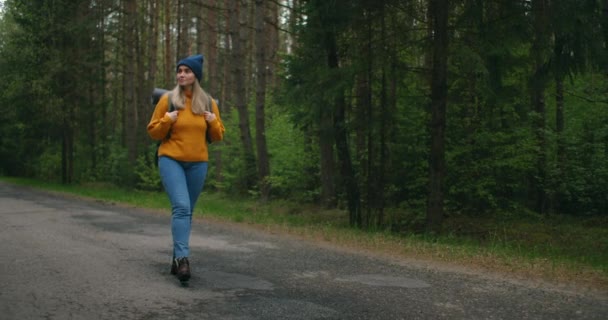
column 184, row 119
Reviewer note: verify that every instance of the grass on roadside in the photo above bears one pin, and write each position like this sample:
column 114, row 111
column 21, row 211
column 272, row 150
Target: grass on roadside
column 565, row 250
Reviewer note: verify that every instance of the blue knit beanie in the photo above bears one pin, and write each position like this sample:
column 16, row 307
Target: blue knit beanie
column 195, row 63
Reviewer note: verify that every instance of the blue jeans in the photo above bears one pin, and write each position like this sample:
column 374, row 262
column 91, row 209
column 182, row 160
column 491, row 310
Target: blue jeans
column 183, row 182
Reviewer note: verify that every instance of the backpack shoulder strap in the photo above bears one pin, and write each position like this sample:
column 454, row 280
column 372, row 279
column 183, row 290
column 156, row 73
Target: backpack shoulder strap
column 171, row 109
column 171, row 106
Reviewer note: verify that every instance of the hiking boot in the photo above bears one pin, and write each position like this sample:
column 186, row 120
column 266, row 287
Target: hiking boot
column 183, row 269
column 173, row 266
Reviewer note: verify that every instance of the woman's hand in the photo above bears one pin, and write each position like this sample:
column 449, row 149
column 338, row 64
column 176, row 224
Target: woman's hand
column 172, row 115
column 209, row 116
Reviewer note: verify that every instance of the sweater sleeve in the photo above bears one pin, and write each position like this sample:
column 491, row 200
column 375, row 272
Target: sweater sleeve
column 160, row 123
column 216, row 127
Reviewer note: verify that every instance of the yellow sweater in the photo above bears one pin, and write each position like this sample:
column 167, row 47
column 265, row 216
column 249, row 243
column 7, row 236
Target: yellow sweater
column 187, row 141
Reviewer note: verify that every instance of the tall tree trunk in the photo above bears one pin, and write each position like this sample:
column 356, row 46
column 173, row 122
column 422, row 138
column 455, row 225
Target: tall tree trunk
column 559, row 131
column 394, row 81
column 143, row 87
column 183, row 26
column 353, row 194
column 248, row 47
column 229, row 60
column 211, row 50
column 272, row 30
column 202, row 33
column 102, row 87
column 310, row 181
column 91, row 124
column 130, row 101
column 428, row 52
column 363, row 118
column 153, row 44
column 360, row 116
column 326, row 138
column 559, row 70
column 327, row 130
column 97, row 93
column 150, row 64
column 328, row 163
column 207, row 32
column 67, row 151
column 71, row 98
column 238, row 34
column 539, row 79
column 437, row 170
column 295, row 18
column 260, row 101
column 169, row 80
column 384, row 114
column 370, row 174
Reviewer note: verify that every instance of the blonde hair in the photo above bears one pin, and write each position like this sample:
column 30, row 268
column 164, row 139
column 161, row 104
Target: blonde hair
column 201, row 100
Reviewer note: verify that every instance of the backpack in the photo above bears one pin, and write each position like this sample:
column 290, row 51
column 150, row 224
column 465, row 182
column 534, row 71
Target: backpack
column 157, row 93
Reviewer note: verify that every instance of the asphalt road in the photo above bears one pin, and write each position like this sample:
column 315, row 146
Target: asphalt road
column 65, row 258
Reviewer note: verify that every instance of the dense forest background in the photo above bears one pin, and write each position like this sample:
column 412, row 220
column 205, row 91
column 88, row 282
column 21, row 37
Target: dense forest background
column 399, row 112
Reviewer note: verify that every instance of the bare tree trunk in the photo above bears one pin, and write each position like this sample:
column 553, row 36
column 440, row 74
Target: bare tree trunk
column 559, row 132
column 169, row 63
column 207, row 36
column 143, row 87
column 183, row 26
column 97, row 94
column 149, row 65
column 249, row 48
column 434, row 210
column 353, row 194
column 394, row 76
column 91, row 124
column 370, row 175
column 211, row 48
column 294, row 20
column 153, row 43
column 538, row 85
column 129, row 75
column 558, row 48
column 228, row 59
column 559, row 120
column 273, row 42
column 260, row 114
column 360, row 115
column 384, row 114
column 67, row 150
column 428, row 55
column 328, row 162
column 239, row 41
column 202, row 33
